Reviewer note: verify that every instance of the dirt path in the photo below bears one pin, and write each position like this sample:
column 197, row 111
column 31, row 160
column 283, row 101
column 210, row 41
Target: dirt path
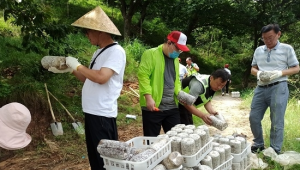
column 236, row 116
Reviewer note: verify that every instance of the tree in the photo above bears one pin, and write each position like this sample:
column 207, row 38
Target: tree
column 38, row 28
column 128, row 9
column 234, row 18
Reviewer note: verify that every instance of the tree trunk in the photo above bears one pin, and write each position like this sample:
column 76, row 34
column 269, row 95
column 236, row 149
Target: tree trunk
column 127, row 25
column 248, row 62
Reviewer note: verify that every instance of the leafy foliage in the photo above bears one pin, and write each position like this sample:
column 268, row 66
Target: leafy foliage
column 219, row 32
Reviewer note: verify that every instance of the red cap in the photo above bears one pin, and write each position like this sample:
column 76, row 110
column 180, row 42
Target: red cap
column 226, row 65
column 179, row 39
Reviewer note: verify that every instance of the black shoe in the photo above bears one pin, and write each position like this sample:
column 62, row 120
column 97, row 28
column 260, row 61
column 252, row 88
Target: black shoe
column 278, row 152
column 256, row 149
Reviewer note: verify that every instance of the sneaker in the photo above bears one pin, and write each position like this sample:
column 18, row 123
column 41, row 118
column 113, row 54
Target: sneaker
column 222, row 93
column 256, row 149
column 227, row 94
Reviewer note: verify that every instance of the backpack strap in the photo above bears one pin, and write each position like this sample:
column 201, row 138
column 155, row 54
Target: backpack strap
column 93, row 62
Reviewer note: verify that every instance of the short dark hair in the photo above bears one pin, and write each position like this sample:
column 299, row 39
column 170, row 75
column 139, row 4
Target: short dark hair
column 270, row 27
column 221, row 73
column 189, row 58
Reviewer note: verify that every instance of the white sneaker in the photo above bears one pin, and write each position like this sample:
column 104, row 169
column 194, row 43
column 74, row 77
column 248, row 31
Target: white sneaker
column 222, row 93
column 227, row 94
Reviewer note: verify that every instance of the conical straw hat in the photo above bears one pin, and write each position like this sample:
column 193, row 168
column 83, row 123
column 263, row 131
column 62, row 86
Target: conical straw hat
column 97, row 20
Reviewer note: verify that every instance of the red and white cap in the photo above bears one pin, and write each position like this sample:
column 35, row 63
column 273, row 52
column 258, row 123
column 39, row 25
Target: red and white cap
column 179, row 39
column 14, row 120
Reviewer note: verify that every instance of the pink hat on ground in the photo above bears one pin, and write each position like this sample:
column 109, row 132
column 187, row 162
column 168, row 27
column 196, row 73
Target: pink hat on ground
column 14, row 120
column 179, row 39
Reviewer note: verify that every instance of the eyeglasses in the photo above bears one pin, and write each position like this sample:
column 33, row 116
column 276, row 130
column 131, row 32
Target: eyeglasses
column 270, row 38
column 176, row 48
column 269, row 56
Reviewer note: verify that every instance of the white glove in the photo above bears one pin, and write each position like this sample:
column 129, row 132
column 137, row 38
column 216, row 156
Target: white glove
column 257, row 75
column 55, row 70
column 275, row 74
column 72, row 62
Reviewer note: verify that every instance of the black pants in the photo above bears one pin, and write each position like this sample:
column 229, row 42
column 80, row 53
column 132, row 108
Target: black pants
column 226, row 87
column 185, row 116
column 97, row 128
column 153, row 121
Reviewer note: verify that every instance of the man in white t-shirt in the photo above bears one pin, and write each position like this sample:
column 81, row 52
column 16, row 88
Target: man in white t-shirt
column 103, row 82
column 182, row 70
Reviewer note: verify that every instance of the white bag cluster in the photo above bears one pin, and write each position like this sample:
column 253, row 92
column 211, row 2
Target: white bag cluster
column 58, row 62
column 184, row 97
column 114, row 149
column 123, row 151
column 237, row 147
column 187, row 140
column 218, row 121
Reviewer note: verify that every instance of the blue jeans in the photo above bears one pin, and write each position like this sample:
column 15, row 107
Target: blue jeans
column 275, row 97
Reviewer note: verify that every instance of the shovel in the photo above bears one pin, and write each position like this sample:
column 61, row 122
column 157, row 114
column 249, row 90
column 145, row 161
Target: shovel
column 77, row 125
column 56, row 127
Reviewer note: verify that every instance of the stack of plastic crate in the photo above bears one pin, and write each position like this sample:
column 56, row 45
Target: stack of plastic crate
column 148, row 164
column 235, row 94
column 193, row 160
column 241, row 161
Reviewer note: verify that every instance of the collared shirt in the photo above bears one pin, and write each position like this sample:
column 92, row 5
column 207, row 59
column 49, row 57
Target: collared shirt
column 282, row 56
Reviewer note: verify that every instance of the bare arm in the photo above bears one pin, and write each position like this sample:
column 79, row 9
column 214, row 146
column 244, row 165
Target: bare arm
column 196, row 67
column 291, row 71
column 79, row 76
column 254, row 70
column 98, row 76
column 192, row 109
column 150, row 103
column 210, row 109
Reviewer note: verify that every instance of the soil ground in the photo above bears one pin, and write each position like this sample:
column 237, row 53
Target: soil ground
column 236, row 116
column 53, row 159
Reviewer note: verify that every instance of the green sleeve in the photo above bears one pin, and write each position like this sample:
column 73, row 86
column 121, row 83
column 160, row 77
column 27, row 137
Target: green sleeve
column 144, row 73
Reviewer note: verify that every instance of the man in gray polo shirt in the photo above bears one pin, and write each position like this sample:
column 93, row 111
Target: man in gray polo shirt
column 272, row 63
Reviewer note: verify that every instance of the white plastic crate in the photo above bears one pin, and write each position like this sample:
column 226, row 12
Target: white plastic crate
column 226, row 165
column 248, row 167
column 148, row 164
column 235, row 94
column 239, row 157
column 191, row 161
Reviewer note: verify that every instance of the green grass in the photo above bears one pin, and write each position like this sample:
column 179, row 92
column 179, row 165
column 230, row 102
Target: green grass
column 22, row 79
column 291, row 129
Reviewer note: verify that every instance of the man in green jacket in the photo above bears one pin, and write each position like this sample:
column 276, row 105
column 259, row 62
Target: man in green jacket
column 203, row 87
column 159, row 84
